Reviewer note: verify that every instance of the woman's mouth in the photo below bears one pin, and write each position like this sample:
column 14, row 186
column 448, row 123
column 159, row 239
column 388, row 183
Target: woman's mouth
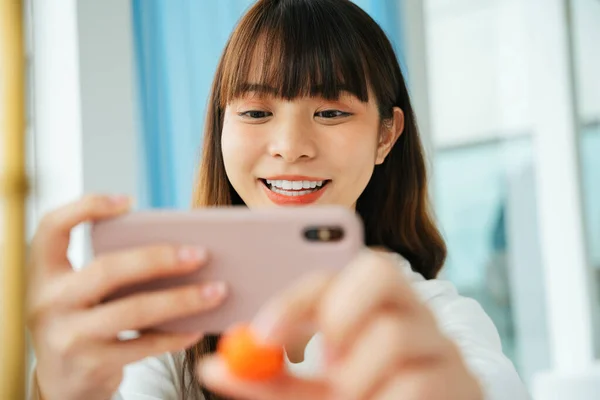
column 283, row 191
column 294, row 188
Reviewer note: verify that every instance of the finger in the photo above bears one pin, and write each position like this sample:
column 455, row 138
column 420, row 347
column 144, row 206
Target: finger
column 386, row 344
column 214, row 375
column 108, row 273
column 146, row 310
column 369, row 283
column 287, row 317
column 150, row 344
column 52, row 238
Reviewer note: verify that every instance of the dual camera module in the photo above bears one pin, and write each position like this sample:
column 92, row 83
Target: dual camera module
column 324, row 234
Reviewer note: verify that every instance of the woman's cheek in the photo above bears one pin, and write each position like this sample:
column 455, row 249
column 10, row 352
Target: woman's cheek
column 236, row 154
column 235, row 139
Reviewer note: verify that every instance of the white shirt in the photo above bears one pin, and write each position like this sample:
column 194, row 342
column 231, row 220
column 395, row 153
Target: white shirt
column 460, row 318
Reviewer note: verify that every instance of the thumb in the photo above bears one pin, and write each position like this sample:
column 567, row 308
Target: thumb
column 49, row 248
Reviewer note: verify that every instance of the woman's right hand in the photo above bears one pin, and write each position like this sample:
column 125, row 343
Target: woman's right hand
column 75, row 335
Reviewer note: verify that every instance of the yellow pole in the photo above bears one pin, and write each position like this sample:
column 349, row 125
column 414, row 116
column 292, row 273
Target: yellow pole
column 14, row 188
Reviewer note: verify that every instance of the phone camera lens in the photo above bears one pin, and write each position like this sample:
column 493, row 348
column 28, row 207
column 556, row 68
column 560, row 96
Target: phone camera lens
column 311, row 234
column 324, row 234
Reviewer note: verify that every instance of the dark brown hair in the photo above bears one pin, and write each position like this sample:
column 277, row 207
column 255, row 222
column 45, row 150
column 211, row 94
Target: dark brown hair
column 322, row 47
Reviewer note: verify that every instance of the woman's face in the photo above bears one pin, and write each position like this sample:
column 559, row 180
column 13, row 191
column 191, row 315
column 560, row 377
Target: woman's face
column 305, row 151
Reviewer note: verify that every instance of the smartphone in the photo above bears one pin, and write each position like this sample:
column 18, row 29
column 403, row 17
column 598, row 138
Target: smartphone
column 258, row 252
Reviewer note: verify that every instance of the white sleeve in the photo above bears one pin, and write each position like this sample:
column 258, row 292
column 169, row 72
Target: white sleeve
column 465, row 322
column 152, row 378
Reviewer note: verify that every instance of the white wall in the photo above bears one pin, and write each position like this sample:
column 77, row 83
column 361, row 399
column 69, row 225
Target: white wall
column 586, row 14
column 83, row 85
column 479, row 62
column 107, row 96
column 58, row 176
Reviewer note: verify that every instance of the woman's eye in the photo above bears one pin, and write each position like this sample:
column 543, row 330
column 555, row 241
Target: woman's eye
column 255, row 114
column 331, row 114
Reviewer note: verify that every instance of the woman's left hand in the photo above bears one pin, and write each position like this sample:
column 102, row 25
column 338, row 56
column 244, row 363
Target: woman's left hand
column 381, row 342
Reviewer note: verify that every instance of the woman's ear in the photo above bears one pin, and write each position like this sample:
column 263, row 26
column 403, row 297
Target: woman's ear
column 390, row 132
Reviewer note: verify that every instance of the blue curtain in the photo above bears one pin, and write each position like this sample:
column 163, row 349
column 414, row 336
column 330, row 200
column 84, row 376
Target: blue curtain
column 177, row 47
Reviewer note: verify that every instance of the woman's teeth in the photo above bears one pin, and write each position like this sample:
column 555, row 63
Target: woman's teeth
column 294, row 188
column 295, row 185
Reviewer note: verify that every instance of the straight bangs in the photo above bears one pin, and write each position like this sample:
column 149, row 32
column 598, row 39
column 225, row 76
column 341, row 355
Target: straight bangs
column 293, row 49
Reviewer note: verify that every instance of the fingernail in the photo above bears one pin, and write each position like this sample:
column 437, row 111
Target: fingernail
column 190, row 254
column 264, row 325
column 214, row 290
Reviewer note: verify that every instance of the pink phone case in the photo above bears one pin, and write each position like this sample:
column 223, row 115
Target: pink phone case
column 257, row 252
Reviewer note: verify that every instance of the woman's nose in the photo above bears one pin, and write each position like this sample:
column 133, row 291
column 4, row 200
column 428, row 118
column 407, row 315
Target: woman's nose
column 292, row 142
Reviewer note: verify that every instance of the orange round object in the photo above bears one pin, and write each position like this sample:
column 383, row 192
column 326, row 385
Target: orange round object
column 246, row 358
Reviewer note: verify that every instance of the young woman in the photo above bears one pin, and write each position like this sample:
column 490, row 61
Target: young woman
column 308, row 107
